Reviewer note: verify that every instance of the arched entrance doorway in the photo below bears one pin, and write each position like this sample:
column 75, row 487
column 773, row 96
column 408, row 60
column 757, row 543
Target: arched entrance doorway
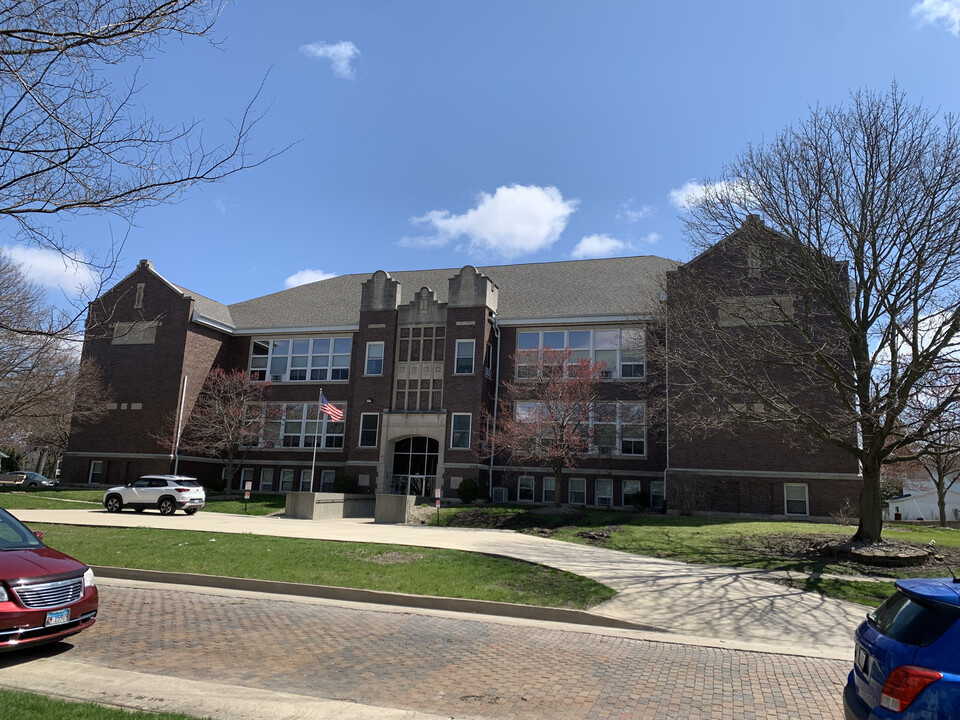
column 415, row 466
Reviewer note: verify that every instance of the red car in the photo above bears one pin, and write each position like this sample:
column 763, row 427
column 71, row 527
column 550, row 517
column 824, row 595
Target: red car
column 45, row 595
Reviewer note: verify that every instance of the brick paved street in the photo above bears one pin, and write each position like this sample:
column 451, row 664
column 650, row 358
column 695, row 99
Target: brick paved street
column 458, row 668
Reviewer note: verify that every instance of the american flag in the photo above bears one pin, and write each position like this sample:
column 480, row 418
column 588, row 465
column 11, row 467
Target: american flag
column 334, row 413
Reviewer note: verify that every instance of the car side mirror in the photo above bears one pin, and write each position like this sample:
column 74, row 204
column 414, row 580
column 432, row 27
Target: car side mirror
column 39, row 534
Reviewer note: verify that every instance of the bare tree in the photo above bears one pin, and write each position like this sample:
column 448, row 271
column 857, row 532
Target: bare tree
column 227, row 421
column 71, row 141
column 545, row 418
column 869, row 191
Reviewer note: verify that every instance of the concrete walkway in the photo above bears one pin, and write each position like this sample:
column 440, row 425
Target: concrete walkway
column 721, row 606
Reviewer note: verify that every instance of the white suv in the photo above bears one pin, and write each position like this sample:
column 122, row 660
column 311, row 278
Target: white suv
column 166, row 493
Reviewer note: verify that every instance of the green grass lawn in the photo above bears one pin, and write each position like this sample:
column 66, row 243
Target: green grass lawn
column 28, row 706
column 395, row 568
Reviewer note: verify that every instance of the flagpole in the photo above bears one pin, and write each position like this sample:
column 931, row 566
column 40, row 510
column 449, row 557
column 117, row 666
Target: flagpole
column 316, row 436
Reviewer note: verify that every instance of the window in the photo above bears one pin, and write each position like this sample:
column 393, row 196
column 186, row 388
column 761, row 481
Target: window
column 658, row 494
column 266, row 480
column 795, row 499
column 464, row 360
column 326, row 480
column 374, row 364
column 622, row 350
column 488, row 361
column 578, row 491
column 619, row 428
column 300, row 359
column 755, row 310
column 549, row 490
column 631, row 493
column 369, row 426
column 300, row 425
column 286, row 480
column 604, row 492
column 246, row 476
column 525, row 488
column 96, row 471
column 306, row 480
column 460, row 431
column 419, row 370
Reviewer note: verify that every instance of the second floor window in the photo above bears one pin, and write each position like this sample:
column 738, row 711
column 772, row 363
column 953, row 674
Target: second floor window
column 300, row 359
column 620, row 349
column 460, row 431
column 464, row 362
column 374, row 358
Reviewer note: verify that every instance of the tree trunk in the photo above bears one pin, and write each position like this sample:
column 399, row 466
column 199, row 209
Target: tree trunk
column 942, row 503
column 557, row 474
column 871, row 506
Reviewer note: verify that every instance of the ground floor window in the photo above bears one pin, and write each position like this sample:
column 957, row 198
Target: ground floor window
column 266, row 480
column 795, row 499
column 549, row 490
column 326, row 480
column 246, row 476
column 306, row 480
column 525, row 488
column 286, row 480
column 658, row 494
column 604, row 492
column 631, row 493
column 578, row 491
column 96, row 471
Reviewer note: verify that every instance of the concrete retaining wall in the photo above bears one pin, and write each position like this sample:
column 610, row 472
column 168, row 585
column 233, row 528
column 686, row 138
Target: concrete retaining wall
column 328, row 506
column 394, row 508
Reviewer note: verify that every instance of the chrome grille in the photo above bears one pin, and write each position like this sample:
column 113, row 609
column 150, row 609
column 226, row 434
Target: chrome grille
column 50, row 595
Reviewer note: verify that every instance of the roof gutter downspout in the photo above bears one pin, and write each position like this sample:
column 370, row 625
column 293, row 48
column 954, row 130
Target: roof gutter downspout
column 496, row 398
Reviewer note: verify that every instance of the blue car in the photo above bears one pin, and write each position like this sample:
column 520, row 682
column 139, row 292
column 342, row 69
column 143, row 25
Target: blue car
column 907, row 657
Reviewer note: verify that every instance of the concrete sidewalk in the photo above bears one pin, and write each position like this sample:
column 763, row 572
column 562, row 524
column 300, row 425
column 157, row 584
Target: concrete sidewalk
column 719, row 605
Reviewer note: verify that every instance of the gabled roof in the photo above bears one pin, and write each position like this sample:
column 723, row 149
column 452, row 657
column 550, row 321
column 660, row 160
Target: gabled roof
column 627, row 286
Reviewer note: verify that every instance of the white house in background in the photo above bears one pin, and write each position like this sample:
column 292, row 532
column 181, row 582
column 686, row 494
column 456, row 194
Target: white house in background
column 919, row 502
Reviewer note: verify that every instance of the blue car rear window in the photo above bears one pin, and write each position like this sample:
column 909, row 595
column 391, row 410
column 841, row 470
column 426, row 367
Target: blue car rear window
column 912, row 621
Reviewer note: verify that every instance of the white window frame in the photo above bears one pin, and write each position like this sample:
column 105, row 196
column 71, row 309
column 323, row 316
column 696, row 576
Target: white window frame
column 488, row 361
column 306, row 479
column 300, row 359
column 787, row 499
column 605, row 499
column 287, row 476
column 454, row 431
column 326, row 478
column 364, row 417
column 580, row 493
column 366, row 365
column 658, row 493
column 525, row 487
column 266, row 473
column 630, row 350
column 621, row 411
column 246, row 475
column 99, row 471
column 549, row 490
column 288, row 431
column 457, row 356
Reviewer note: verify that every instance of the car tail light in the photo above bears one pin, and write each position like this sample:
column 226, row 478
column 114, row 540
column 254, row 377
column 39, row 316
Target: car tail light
column 182, row 489
column 904, row 684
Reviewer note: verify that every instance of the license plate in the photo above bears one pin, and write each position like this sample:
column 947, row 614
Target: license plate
column 57, row 617
column 862, row 660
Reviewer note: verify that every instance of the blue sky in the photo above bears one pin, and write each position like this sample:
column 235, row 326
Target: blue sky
column 437, row 134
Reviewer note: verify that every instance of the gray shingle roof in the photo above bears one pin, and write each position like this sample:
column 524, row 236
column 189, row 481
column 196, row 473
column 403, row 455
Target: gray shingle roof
column 577, row 288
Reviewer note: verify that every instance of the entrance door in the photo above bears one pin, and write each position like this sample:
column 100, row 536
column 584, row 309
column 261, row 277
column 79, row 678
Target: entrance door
column 415, row 466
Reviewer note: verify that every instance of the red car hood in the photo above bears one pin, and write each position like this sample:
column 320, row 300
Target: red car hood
column 37, row 562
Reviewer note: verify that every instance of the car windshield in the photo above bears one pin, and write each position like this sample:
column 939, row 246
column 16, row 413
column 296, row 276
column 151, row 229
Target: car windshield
column 14, row 535
column 913, row 621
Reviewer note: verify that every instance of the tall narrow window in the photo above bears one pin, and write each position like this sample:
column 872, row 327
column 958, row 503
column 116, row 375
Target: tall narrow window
column 460, row 431
column 306, row 480
column 549, row 490
column 464, row 360
column 795, row 499
column 266, row 480
column 604, row 492
column 286, row 480
column 369, row 425
column 96, row 471
column 374, row 358
column 578, row 491
column 525, row 488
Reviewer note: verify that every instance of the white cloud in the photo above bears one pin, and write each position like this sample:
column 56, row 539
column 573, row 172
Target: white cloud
column 54, row 270
column 630, row 214
column 599, row 246
column 302, row 277
column 516, row 220
column 694, row 191
column 339, row 54
column 936, row 11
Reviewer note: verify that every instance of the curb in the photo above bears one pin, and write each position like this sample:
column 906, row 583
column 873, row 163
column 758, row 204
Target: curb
column 329, row 592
